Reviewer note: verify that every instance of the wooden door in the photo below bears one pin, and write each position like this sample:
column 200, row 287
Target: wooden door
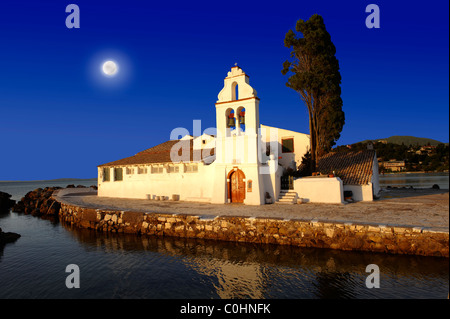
column 237, row 186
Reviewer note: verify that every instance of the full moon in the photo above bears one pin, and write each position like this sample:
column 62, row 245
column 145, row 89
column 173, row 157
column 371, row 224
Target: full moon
column 110, row 68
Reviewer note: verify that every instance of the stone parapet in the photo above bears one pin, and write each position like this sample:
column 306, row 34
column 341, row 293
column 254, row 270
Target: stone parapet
column 313, row 233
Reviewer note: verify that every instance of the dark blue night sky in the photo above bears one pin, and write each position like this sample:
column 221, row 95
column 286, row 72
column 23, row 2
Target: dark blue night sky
column 60, row 118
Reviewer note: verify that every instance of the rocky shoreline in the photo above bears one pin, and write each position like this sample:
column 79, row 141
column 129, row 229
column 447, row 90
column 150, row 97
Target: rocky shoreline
column 38, row 203
column 7, row 237
column 6, row 203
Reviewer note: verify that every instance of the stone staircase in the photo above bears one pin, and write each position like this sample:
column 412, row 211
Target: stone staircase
column 287, row 197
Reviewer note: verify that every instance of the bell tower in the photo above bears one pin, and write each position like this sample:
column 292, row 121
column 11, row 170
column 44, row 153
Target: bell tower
column 237, row 123
column 237, row 94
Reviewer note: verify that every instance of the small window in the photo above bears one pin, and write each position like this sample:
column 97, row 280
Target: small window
column 130, row 171
column 249, row 186
column 157, row 169
column 118, row 174
column 173, row 169
column 235, row 91
column 142, row 170
column 287, row 145
column 191, row 168
column 106, row 174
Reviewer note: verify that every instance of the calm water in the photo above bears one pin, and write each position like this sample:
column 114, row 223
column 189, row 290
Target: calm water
column 127, row 266
column 416, row 180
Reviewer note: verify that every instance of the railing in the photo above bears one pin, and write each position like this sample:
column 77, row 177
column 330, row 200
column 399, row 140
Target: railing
column 287, row 182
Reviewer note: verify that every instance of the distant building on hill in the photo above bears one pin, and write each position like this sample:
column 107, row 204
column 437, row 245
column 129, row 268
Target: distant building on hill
column 394, row 166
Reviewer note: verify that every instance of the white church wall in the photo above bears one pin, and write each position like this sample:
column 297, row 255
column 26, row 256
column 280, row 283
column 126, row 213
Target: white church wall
column 301, row 145
column 256, row 195
column 360, row 192
column 320, row 190
column 195, row 186
column 366, row 192
column 271, row 175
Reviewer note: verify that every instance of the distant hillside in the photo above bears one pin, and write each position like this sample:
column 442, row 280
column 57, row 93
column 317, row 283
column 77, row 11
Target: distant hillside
column 407, row 140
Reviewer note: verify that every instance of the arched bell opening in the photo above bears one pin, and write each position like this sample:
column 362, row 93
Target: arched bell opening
column 241, row 118
column 230, row 119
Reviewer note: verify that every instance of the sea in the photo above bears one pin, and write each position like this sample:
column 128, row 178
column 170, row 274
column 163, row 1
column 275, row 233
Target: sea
column 415, row 180
column 43, row 262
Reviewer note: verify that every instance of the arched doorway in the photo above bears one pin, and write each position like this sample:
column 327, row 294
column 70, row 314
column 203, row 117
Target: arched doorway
column 236, row 186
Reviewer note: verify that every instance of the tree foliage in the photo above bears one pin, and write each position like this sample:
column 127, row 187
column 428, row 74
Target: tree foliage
column 435, row 159
column 314, row 73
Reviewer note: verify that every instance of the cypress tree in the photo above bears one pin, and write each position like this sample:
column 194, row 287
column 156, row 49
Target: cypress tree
column 314, row 73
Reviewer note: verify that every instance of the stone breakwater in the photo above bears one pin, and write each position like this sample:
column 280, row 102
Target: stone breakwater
column 38, row 203
column 313, row 233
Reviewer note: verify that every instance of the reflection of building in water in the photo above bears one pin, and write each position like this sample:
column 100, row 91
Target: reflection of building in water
column 240, row 270
column 256, row 281
column 234, row 280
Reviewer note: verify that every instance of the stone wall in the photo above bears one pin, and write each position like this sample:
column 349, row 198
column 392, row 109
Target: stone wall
column 344, row 236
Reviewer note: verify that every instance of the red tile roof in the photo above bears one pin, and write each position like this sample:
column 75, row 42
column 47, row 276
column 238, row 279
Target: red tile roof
column 164, row 153
column 353, row 167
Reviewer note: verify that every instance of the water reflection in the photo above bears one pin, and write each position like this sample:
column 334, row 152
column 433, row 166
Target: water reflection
column 218, row 269
column 127, row 266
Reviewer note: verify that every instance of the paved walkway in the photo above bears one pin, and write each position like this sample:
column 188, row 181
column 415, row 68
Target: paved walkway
column 405, row 207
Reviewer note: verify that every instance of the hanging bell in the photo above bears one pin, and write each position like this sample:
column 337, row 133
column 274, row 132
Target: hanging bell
column 231, row 122
column 242, row 118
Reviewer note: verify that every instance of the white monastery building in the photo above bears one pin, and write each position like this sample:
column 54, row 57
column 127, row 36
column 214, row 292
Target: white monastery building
column 233, row 166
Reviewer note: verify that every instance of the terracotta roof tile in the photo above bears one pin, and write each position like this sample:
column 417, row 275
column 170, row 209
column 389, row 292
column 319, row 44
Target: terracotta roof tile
column 163, row 153
column 353, row 167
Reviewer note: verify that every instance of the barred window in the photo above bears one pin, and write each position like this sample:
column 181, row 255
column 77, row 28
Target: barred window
column 157, row 169
column 142, row 170
column 173, row 169
column 118, row 174
column 130, row 171
column 106, row 174
column 191, row 168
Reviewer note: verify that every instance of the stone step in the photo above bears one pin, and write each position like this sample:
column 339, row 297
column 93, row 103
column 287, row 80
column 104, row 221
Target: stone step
column 287, row 197
column 293, row 200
